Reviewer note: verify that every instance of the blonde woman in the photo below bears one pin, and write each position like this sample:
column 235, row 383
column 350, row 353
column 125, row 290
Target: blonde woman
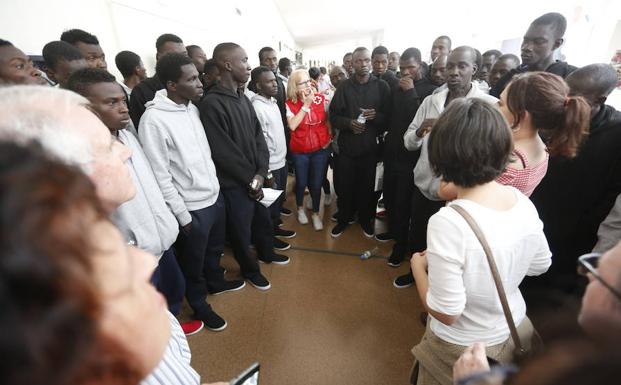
column 308, row 122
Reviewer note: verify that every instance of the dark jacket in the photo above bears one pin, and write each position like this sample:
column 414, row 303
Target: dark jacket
column 559, row 68
column 345, row 106
column 141, row 94
column 403, row 109
column 238, row 147
column 576, row 194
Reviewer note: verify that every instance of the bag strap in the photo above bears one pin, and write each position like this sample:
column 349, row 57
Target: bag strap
column 492, row 265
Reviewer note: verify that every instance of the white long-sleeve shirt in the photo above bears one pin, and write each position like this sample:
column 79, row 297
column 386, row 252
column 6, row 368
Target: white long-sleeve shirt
column 273, row 130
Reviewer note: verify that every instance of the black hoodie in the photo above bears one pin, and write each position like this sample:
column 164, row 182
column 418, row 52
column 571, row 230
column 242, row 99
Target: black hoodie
column 141, row 94
column 345, row 106
column 236, row 139
column 576, row 194
column 559, row 68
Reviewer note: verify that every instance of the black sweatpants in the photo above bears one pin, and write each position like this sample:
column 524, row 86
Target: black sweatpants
column 356, row 187
column 398, row 190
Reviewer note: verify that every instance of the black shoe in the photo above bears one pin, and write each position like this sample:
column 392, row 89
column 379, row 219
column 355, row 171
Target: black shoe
column 281, row 245
column 277, row 223
column 278, row 232
column 403, row 281
column 334, row 217
column 368, row 229
column 380, row 203
column 384, row 237
column 213, row 321
column 278, row 259
column 229, row 286
column 260, row 282
column 338, row 230
column 394, row 261
column 285, row 211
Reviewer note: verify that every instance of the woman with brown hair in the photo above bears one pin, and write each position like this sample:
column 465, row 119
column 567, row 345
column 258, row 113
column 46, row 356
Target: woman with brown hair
column 545, row 121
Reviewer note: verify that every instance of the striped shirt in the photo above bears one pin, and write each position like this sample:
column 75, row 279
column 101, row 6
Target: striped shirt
column 174, row 368
column 526, row 179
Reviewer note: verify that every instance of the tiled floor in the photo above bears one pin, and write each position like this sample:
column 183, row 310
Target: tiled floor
column 330, row 318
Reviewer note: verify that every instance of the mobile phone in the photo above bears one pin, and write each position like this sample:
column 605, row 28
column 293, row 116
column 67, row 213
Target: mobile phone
column 249, row 376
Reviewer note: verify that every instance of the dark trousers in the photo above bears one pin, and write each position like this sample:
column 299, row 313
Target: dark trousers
column 398, row 188
column 310, row 171
column 280, row 178
column 356, row 187
column 200, row 252
column 422, row 210
column 248, row 220
column 168, row 280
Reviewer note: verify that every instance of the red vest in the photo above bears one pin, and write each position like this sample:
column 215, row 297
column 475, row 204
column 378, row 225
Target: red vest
column 312, row 134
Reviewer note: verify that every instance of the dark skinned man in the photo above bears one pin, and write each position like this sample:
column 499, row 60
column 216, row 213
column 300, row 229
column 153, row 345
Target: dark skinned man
column 241, row 157
column 460, row 68
column 440, row 46
column 502, row 66
column 543, row 37
column 359, row 110
column 407, row 96
column 577, row 194
column 437, row 71
column 145, row 90
column 16, row 67
column 88, row 45
column 347, row 64
column 487, row 62
column 61, row 60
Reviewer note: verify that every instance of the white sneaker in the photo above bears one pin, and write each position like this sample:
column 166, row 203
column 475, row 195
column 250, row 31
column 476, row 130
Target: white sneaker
column 327, row 199
column 317, row 223
column 302, row 218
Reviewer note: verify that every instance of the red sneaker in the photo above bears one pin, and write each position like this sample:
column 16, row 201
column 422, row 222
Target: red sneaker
column 192, row 327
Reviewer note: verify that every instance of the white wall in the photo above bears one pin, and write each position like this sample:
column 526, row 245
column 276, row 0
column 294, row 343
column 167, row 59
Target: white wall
column 487, row 24
column 135, row 25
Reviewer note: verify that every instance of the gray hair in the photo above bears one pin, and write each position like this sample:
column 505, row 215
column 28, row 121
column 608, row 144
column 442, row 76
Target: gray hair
column 40, row 113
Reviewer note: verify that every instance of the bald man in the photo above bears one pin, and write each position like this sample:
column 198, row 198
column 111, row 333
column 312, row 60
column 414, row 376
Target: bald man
column 575, row 196
column 241, row 156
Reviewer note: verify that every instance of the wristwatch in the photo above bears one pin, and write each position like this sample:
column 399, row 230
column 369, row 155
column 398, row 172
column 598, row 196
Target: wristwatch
column 305, row 109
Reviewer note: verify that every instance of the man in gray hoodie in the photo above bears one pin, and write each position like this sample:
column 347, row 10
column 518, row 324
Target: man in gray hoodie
column 145, row 220
column 175, row 143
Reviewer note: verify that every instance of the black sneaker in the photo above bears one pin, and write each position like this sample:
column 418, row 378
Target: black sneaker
column 229, row 286
column 278, row 259
column 277, row 223
column 394, row 261
column 338, row 230
column 334, row 217
column 403, row 281
column 213, row 321
column 285, row 211
column 278, row 232
column 260, row 282
column 384, row 237
column 281, row 245
column 368, row 229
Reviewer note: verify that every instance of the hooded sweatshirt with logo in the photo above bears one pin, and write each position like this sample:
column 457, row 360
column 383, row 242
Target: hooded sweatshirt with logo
column 174, row 141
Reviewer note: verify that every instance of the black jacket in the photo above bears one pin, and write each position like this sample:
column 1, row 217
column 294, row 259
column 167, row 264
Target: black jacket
column 141, row 94
column 238, row 147
column 559, row 68
column 403, row 109
column 577, row 194
column 345, row 106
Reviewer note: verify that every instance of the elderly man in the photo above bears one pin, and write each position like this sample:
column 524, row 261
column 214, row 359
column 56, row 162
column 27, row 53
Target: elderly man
column 61, row 122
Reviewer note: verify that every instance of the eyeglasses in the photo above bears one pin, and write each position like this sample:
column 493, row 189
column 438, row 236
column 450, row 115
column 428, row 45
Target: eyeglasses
column 302, row 83
column 587, row 263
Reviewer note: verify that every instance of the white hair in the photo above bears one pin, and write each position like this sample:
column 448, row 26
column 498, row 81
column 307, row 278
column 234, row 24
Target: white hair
column 40, row 113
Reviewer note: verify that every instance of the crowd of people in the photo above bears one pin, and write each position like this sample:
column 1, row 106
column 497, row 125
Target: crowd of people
column 100, row 175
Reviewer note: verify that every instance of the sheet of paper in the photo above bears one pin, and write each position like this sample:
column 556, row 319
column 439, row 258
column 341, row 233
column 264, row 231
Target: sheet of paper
column 269, row 196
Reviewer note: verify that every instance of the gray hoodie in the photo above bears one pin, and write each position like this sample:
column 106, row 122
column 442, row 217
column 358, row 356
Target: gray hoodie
column 175, row 143
column 145, row 220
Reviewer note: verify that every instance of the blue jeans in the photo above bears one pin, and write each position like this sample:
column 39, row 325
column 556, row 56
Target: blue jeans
column 310, row 171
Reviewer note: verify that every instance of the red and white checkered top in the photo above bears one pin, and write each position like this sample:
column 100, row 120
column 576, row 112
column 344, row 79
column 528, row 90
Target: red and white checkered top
column 526, row 179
